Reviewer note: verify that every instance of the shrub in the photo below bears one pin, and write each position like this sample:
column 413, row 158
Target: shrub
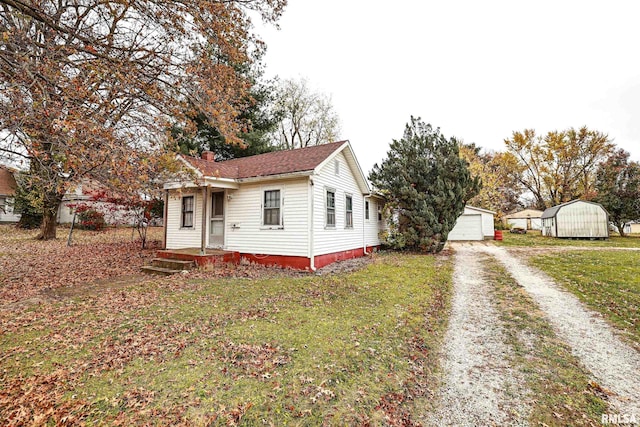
column 91, row 219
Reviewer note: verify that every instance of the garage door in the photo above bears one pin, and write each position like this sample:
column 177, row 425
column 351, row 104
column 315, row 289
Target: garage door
column 468, row 227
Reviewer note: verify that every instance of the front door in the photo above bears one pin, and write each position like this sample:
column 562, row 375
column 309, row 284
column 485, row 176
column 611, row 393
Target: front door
column 216, row 228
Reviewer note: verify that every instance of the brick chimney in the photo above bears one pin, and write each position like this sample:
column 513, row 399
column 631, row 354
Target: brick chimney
column 209, row 156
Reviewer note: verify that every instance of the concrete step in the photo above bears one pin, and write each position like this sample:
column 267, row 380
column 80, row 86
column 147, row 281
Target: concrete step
column 172, row 264
column 151, row 269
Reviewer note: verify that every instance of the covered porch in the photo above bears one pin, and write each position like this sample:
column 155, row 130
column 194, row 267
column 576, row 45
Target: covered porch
column 199, row 218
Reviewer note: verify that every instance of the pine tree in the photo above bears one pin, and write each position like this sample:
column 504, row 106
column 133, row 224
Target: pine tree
column 426, row 184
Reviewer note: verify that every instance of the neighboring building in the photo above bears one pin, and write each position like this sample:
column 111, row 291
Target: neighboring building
column 473, row 224
column 8, row 188
column 303, row 208
column 632, row 227
column 576, row 219
column 84, row 194
column 528, row 219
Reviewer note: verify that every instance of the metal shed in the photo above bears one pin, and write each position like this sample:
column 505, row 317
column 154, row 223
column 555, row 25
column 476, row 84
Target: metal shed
column 576, row 219
column 473, row 224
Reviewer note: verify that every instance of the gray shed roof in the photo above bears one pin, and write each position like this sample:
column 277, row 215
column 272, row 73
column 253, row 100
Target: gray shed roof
column 552, row 211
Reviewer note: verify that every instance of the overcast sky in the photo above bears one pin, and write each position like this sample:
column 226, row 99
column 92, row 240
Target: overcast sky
column 477, row 69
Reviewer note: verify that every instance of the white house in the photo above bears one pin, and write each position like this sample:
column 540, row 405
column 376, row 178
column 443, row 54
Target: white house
column 473, row 224
column 576, row 219
column 632, row 227
column 87, row 193
column 7, row 192
column 303, row 208
column 528, row 219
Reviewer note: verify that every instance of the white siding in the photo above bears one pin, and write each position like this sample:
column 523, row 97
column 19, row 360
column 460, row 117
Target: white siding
column 487, row 225
column 178, row 237
column 373, row 227
column 244, row 231
column 549, row 227
column 535, row 223
column 113, row 214
column 632, row 228
column 335, row 239
column 582, row 219
column 486, row 221
column 468, row 227
column 517, row 222
column 6, row 210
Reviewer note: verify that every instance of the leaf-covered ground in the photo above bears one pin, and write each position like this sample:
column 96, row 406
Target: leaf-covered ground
column 231, row 345
column 31, row 268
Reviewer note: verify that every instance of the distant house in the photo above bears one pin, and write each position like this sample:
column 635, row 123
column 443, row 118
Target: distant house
column 87, row 194
column 632, row 227
column 302, row 208
column 528, row 219
column 8, row 188
column 576, row 219
column 473, row 224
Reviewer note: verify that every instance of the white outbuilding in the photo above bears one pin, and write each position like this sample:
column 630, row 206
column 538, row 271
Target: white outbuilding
column 473, row 224
column 576, row 219
column 632, row 227
column 527, row 219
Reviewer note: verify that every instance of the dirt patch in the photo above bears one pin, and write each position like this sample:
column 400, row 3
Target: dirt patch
column 479, row 387
column 346, row 266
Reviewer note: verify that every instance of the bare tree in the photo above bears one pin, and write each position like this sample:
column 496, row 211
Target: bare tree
column 307, row 118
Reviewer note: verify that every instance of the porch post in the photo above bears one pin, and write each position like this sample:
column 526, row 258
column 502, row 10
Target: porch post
column 165, row 214
column 203, row 234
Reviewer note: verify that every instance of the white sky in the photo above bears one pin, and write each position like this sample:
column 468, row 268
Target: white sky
column 477, row 69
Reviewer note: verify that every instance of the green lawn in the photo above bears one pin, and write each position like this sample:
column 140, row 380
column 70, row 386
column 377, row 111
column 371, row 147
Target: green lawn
column 534, row 238
column 349, row 349
column 607, row 281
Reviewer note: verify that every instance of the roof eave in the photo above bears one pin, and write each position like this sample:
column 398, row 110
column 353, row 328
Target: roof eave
column 288, row 175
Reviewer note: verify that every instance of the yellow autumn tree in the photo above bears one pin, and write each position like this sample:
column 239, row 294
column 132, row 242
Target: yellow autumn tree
column 559, row 166
column 499, row 192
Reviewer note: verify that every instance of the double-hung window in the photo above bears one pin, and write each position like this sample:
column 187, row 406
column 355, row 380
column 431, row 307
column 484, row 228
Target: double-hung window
column 366, row 209
column 272, row 208
column 187, row 211
column 348, row 211
column 331, row 208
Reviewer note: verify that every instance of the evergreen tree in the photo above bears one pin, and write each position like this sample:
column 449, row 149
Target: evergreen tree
column 28, row 202
column 255, row 140
column 426, row 184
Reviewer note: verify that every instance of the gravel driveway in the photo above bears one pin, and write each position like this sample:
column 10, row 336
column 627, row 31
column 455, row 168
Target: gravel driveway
column 479, row 387
column 613, row 364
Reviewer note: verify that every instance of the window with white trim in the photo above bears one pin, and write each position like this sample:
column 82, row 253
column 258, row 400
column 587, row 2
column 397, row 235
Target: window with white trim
column 366, row 209
column 272, row 208
column 348, row 211
column 187, row 211
column 379, row 212
column 331, row 208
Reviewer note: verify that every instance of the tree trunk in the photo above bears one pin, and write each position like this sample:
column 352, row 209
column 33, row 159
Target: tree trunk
column 620, row 227
column 49, row 217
